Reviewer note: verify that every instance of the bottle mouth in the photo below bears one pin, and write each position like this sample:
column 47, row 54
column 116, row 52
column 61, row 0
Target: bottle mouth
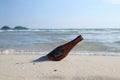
column 80, row 37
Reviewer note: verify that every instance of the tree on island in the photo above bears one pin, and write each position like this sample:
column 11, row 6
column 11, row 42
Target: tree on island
column 5, row 28
column 19, row 28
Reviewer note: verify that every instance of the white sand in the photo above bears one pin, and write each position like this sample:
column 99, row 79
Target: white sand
column 73, row 67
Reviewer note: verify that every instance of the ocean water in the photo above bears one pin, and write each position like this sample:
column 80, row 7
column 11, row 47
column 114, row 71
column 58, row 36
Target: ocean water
column 41, row 41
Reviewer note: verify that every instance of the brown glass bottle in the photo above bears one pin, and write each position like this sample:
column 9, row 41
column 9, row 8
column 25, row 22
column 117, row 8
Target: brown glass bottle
column 61, row 51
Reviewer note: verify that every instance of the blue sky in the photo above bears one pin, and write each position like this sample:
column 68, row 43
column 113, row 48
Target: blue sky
column 60, row 13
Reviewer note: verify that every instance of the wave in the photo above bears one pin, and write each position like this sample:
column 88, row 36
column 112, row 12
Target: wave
column 82, row 53
column 73, row 30
column 8, row 51
column 90, row 47
column 117, row 42
column 44, row 40
column 1, row 30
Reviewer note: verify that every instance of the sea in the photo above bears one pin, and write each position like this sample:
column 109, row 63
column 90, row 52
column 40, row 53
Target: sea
column 96, row 42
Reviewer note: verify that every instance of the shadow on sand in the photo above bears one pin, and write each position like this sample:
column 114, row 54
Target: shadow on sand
column 41, row 59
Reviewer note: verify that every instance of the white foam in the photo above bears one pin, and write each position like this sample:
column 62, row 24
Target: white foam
column 9, row 51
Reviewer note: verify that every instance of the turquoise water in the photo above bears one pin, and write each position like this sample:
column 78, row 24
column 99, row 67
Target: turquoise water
column 37, row 41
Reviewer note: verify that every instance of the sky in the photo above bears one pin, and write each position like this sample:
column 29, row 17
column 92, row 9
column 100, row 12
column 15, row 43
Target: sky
column 60, row 13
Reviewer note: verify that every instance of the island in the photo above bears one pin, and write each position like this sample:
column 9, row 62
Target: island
column 20, row 28
column 5, row 28
column 15, row 28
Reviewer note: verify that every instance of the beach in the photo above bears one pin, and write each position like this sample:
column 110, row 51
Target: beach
column 73, row 67
column 22, row 54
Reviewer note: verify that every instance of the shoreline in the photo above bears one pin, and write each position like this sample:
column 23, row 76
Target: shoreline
column 73, row 67
column 80, row 53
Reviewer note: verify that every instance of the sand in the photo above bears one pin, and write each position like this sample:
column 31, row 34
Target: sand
column 73, row 67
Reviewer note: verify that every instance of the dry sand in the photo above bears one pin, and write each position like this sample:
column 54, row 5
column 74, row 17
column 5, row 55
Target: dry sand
column 73, row 67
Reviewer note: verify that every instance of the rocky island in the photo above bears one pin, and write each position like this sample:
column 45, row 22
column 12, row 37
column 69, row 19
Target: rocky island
column 15, row 28
column 19, row 28
column 5, row 28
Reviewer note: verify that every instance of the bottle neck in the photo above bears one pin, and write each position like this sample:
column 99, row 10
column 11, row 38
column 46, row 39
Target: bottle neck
column 75, row 41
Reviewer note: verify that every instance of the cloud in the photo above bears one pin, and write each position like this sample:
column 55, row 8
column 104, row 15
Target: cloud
column 112, row 1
